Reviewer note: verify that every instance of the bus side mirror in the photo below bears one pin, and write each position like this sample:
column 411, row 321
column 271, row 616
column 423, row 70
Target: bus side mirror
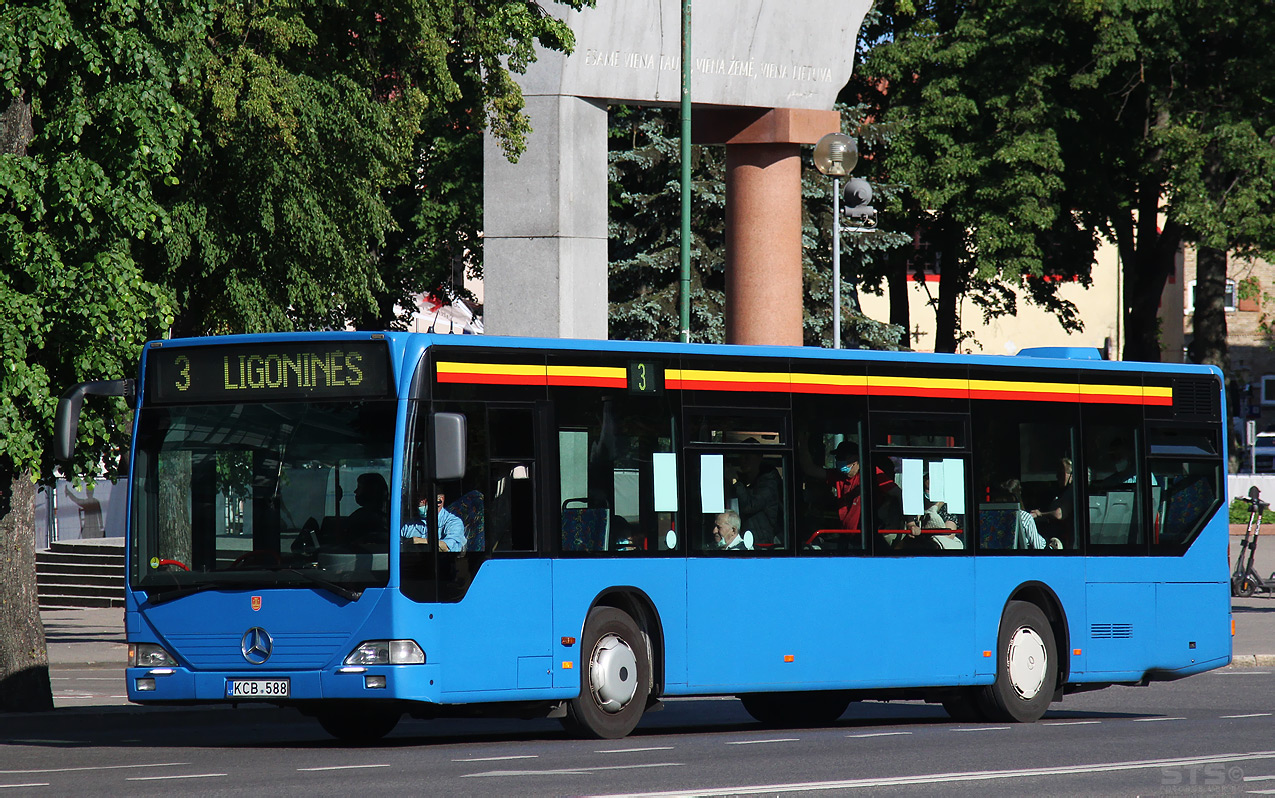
column 67, row 421
column 449, row 446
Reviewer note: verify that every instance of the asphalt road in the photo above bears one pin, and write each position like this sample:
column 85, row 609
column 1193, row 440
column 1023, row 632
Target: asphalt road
column 1210, row 734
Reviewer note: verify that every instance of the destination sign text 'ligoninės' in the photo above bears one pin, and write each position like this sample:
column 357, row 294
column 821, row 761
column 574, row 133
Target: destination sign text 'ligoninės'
column 266, row 372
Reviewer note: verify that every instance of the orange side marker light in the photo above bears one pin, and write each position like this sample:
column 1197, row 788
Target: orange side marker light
column 789, row 658
column 566, row 666
column 1076, row 652
column 987, row 653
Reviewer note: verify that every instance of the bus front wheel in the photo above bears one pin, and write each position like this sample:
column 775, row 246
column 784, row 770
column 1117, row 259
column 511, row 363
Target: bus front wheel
column 1026, row 666
column 614, row 679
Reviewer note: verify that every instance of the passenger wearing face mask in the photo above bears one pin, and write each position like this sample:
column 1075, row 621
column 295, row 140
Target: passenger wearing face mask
column 844, row 482
column 452, row 529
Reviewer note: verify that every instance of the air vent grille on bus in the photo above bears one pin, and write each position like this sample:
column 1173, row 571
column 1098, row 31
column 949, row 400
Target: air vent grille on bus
column 1196, row 397
column 1111, row 631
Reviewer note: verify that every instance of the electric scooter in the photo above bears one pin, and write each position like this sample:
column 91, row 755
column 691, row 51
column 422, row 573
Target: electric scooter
column 1245, row 581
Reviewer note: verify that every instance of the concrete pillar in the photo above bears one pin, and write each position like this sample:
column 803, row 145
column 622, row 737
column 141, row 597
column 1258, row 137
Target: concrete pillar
column 545, row 224
column 763, row 215
column 763, row 244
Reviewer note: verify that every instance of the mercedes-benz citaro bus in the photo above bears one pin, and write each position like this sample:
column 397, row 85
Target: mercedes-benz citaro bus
column 367, row 525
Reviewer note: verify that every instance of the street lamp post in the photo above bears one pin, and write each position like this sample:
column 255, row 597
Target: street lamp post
column 835, row 155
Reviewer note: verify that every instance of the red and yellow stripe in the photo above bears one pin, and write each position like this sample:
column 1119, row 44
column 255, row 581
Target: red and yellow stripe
column 798, row 382
column 518, row 374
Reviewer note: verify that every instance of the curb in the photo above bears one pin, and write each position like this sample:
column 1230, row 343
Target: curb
column 1253, row 661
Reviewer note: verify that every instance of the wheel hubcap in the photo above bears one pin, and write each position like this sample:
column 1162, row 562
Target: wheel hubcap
column 613, row 673
column 1026, row 662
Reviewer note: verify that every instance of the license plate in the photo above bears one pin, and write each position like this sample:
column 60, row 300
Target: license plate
column 256, row 688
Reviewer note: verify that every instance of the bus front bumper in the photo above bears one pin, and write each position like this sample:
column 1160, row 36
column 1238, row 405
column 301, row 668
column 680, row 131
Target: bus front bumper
column 381, row 682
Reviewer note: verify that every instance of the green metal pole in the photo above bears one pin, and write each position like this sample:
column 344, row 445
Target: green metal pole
column 684, row 285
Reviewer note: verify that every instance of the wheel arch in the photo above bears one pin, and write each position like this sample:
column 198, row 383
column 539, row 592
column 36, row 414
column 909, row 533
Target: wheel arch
column 638, row 605
column 1044, row 597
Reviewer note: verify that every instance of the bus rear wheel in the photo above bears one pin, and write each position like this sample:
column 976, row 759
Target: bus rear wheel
column 789, row 710
column 615, row 680
column 358, row 724
column 1026, row 666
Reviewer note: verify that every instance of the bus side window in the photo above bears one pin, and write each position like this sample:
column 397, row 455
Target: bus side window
column 1024, row 498
column 511, row 511
column 1114, row 483
column 617, row 487
column 1185, row 467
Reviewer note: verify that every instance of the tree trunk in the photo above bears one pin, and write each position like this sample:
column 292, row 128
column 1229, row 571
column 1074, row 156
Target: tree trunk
column 1208, row 342
column 24, row 659
column 897, row 279
column 1145, row 275
column 951, row 286
column 15, row 126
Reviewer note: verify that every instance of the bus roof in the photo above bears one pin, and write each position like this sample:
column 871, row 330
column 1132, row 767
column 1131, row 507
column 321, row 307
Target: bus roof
column 1035, row 357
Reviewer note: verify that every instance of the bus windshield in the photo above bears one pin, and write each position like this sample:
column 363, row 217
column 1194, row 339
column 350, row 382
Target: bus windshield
column 262, row 494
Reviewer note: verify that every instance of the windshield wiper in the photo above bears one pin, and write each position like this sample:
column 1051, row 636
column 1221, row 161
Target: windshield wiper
column 340, row 590
column 169, row 595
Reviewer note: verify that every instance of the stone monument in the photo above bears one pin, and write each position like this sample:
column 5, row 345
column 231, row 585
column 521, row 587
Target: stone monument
column 765, row 75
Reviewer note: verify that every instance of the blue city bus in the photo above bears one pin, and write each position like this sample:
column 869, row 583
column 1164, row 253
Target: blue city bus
column 619, row 522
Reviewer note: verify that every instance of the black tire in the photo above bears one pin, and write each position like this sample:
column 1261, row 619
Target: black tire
column 358, row 724
column 615, row 677
column 1025, row 684
column 791, row 710
column 964, row 706
column 1246, row 586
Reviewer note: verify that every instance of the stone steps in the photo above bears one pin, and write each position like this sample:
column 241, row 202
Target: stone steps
column 81, row 573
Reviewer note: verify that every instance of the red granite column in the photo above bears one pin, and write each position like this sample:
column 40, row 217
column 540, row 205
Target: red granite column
column 763, row 215
column 763, row 244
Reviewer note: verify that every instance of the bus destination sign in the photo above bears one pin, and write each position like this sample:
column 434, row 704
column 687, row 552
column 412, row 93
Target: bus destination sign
column 268, row 372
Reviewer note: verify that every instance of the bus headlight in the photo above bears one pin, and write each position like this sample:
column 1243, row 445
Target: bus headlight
column 386, row 652
column 149, row 655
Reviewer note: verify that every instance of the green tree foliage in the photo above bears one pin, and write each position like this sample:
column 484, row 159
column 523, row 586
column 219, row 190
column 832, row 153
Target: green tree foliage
column 317, row 192
column 645, row 215
column 203, row 166
column 93, row 129
column 1032, row 129
column 971, row 94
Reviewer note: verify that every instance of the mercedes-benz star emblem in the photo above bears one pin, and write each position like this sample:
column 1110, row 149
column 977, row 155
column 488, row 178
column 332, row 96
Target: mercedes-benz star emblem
column 256, row 645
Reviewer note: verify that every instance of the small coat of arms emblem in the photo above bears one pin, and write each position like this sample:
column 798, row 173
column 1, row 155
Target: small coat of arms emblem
column 256, row 603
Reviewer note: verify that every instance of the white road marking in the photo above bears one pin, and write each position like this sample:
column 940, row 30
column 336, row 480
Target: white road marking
column 957, row 777
column 1260, row 792
column 1259, row 778
column 1072, row 723
column 1242, row 672
column 981, row 728
column 498, row 758
column 635, row 750
column 1251, row 715
column 1154, row 720
column 755, row 742
column 172, row 777
column 878, row 734
column 571, row 771
column 340, row 767
column 31, row 784
column 97, row 767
